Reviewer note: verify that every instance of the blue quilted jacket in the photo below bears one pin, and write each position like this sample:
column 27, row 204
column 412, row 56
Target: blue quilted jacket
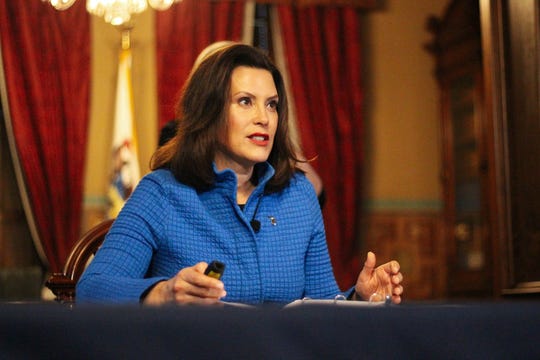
column 166, row 226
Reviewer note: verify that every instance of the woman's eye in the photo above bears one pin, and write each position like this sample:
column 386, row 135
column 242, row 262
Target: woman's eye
column 272, row 105
column 244, row 101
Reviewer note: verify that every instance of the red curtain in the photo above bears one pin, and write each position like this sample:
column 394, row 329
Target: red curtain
column 322, row 49
column 46, row 56
column 182, row 32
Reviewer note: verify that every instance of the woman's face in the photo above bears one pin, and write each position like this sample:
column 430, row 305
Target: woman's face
column 252, row 120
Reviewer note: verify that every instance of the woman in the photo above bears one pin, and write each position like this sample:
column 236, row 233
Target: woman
column 225, row 188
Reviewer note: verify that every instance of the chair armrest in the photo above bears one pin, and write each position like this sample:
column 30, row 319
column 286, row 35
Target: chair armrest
column 62, row 287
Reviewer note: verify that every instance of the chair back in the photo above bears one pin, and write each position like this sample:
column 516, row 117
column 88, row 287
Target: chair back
column 63, row 284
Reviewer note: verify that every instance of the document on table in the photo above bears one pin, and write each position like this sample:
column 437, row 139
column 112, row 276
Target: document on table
column 331, row 302
column 308, row 302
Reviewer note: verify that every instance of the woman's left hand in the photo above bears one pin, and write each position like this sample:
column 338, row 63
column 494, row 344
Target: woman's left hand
column 379, row 281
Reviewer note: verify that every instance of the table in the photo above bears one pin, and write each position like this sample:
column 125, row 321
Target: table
column 505, row 330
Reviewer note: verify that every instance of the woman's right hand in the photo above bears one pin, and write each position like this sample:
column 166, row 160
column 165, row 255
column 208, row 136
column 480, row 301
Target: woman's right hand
column 189, row 286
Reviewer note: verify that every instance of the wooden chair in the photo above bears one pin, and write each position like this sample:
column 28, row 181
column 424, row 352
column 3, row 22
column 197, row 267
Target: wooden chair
column 63, row 284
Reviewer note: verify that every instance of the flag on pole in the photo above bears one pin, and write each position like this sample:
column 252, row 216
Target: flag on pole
column 125, row 163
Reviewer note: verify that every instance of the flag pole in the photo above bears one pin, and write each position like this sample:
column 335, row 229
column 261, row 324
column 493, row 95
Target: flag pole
column 126, row 38
column 125, row 165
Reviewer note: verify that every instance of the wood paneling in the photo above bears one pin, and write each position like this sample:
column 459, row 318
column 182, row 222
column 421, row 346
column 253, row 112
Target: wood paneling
column 511, row 47
column 457, row 51
column 414, row 240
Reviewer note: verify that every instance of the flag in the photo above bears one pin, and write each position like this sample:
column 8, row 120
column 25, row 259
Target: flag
column 125, row 163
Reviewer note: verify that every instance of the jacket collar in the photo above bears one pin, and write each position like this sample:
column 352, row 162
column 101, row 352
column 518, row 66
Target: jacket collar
column 226, row 179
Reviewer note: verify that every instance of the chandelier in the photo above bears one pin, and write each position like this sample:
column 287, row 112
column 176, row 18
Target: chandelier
column 115, row 12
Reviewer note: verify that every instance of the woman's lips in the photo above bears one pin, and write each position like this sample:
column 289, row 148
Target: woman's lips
column 259, row 139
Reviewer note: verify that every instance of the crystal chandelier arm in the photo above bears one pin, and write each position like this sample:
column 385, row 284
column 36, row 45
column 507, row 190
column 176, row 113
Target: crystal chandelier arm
column 60, row 4
column 161, row 4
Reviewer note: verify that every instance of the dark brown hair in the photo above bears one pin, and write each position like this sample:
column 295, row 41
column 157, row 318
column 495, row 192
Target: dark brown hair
column 201, row 114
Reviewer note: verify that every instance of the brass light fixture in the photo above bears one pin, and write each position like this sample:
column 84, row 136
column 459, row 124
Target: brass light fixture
column 115, row 12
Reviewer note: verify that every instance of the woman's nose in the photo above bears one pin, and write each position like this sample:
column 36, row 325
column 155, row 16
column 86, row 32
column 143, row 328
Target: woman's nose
column 261, row 115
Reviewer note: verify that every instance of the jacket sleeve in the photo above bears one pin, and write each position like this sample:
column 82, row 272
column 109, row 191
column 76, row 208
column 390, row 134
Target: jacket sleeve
column 117, row 272
column 319, row 275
